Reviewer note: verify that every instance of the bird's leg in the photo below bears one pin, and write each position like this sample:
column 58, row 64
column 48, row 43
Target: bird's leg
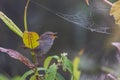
column 40, row 59
column 108, row 2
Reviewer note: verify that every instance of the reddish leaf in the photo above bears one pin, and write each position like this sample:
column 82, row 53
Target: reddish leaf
column 16, row 55
column 117, row 45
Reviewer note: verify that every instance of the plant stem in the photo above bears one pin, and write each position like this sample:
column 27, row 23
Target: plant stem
column 33, row 56
column 108, row 2
column 25, row 16
column 36, row 71
column 109, row 71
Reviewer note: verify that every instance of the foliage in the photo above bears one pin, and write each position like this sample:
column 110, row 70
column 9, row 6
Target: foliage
column 3, row 77
column 30, row 39
column 115, row 11
column 51, row 72
column 11, row 25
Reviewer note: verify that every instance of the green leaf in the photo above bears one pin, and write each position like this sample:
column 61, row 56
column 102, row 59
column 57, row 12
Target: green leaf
column 67, row 64
column 11, row 25
column 16, row 78
column 48, row 60
column 59, row 77
column 76, row 72
column 2, row 77
column 56, row 57
column 51, row 72
column 26, row 74
column 33, row 77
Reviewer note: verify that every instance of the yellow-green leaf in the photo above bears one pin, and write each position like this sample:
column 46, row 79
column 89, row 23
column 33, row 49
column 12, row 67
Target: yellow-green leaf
column 51, row 72
column 30, row 72
column 30, row 39
column 67, row 64
column 47, row 61
column 76, row 72
column 11, row 25
column 115, row 11
column 34, row 76
column 76, row 62
column 59, row 76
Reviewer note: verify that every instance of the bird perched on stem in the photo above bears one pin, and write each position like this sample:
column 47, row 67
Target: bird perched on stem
column 46, row 41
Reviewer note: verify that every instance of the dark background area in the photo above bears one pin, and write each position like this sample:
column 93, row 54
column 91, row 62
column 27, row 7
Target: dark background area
column 71, row 37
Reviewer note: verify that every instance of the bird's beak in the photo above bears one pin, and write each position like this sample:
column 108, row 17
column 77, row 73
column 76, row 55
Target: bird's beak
column 54, row 36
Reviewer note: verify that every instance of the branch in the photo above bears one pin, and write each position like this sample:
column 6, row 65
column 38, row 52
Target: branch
column 108, row 2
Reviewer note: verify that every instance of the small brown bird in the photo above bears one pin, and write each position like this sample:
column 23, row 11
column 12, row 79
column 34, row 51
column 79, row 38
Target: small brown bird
column 46, row 41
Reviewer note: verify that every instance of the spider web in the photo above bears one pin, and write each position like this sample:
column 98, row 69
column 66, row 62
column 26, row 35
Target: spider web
column 94, row 17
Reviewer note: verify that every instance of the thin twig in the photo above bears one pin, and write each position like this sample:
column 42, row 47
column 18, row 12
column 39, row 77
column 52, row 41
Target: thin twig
column 108, row 2
column 25, row 16
column 111, row 76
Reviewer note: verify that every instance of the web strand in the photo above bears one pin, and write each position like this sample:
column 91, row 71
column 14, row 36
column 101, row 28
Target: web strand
column 78, row 18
